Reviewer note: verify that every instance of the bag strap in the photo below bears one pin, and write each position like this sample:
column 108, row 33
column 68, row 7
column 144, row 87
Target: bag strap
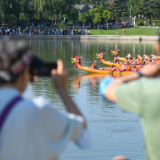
column 7, row 110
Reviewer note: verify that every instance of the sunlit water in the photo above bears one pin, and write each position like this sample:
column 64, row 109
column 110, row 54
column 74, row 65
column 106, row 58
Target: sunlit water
column 115, row 132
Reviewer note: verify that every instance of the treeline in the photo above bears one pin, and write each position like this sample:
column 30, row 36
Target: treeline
column 19, row 12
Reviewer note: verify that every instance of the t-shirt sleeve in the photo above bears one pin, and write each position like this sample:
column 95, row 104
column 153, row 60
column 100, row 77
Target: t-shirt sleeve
column 129, row 96
column 55, row 129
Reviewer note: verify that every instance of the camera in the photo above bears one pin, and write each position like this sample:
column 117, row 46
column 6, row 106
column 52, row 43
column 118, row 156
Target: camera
column 44, row 70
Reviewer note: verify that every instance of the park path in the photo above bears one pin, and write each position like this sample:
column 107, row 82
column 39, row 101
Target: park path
column 90, row 37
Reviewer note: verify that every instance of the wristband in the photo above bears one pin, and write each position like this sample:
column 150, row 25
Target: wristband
column 103, row 85
column 139, row 73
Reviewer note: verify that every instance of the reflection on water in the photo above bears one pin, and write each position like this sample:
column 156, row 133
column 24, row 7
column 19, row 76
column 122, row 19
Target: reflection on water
column 115, row 132
column 93, row 79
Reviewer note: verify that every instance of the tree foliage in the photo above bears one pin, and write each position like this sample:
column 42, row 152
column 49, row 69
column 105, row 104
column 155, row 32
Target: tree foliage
column 17, row 12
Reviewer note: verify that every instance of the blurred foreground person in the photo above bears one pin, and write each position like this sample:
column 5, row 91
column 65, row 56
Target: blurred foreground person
column 31, row 129
column 139, row 93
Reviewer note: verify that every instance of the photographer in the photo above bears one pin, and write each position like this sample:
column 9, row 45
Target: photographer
column 31, row 129
column 139, row 93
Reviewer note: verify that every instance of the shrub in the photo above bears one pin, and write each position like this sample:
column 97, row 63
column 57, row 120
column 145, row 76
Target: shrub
column 157, row 22
column 139, row 23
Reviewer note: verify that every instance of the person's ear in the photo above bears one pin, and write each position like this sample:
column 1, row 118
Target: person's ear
column 25, row 75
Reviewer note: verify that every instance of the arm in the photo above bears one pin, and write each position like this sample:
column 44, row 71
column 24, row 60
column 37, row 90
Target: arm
column 60, row 81
column 148, row 71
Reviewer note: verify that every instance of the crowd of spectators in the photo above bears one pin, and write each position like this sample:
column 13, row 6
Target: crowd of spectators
column 42, row 31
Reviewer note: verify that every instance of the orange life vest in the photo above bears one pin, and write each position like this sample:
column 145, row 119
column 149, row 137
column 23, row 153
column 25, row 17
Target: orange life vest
column 94, row 65
column 130, row 61
column 138, row 61
column 116, row 68
column 154, row 62
column 127, row 68
column 140, row 57
column 155, row 57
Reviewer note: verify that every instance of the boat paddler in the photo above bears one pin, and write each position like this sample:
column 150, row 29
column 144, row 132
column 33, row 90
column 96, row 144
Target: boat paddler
column 135, row 62
column 130, row 60
column 140, row 57
column 116, row 59
column 94, row 66
column 125, row 67
column 153, row 61
column 154, row 56
column 146, row 57
column 138, row 61
column 114, row 68
column 143, row 63
column 146, row 60
column 129, row 55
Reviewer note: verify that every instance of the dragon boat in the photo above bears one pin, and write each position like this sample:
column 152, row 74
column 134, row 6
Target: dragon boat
column 115, row 64
column 122, row 59
column 106, row 71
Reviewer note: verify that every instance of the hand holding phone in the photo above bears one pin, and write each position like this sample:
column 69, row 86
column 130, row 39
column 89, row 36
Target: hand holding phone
column 60, row 76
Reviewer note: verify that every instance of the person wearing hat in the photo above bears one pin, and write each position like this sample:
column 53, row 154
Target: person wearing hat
column 94, row 66
column 125, row 67
column 32, row 129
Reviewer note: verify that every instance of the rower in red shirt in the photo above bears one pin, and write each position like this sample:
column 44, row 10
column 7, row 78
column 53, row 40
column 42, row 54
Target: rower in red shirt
column 94, row 66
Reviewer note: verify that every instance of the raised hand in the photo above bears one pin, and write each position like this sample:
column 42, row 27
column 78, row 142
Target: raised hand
column 60, row 76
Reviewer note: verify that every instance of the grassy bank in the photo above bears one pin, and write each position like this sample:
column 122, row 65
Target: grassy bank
column 129, row 31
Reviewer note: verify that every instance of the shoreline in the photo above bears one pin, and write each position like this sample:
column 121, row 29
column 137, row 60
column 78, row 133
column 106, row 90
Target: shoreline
column 88, row 37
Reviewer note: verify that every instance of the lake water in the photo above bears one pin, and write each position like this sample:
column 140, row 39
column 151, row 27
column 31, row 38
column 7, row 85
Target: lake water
column 115, row 132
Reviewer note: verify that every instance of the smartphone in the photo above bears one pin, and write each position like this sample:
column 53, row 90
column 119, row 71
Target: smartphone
column 45, row 69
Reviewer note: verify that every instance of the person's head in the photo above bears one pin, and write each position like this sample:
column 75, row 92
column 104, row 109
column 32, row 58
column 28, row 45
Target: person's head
column 15, row 59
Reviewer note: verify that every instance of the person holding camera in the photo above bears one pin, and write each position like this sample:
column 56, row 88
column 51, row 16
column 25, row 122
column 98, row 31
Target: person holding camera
column 31, row 129
column 139, row 93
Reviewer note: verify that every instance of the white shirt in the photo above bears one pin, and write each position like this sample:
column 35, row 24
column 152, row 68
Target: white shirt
column 34, row 130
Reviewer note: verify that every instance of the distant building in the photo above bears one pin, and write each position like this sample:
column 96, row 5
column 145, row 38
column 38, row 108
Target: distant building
column 83, row 8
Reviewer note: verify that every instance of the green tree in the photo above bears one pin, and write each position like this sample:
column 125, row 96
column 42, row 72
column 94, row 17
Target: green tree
column 73, row 16
column 97, row 19
column 83, row 18
column 107, row 15
column 149, row 8
column 92, row 15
